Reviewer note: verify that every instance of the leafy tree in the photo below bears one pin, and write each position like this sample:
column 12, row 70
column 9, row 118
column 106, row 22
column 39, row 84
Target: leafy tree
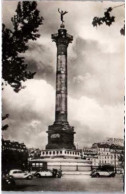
column 25, row 27
column 107, row 19
column 25, row 22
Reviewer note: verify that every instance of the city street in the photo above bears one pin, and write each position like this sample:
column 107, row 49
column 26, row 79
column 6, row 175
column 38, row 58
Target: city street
column 72, row 183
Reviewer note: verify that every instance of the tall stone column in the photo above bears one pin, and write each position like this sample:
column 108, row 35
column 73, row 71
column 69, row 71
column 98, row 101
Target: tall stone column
column 62, row 40
column 61, row 134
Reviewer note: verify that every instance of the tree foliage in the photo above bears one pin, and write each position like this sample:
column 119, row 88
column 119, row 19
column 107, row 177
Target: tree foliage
column 106, row 19
column 25, row 27
column 122, row 31
column 5, row 126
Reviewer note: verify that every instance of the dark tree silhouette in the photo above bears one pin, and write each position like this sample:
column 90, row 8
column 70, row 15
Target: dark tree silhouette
column 4, row 127
column 122, row 31
column 25, row 27
column 107, row 19
column 25, row 22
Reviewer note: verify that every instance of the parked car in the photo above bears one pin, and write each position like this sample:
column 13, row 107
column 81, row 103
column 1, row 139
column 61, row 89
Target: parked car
column 44, row 173
column 19, row 174
column 103, row 171
column 33, row 172
column 49, row 173
column 8, row 183
column 57, row 173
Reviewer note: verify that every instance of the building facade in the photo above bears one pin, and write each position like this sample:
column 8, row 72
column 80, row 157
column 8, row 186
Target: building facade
column 105, row 154
column 14, row 155
column 108, row 154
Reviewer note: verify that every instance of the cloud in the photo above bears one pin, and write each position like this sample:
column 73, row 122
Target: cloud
column 94, row 122
column 38, row 60
column 96, row 73
column 31, row 111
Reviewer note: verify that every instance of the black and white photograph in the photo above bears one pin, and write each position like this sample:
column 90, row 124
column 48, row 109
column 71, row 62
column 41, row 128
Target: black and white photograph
column 63, row 95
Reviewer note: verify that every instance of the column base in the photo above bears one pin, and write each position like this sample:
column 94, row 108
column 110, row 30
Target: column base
column 60, row 135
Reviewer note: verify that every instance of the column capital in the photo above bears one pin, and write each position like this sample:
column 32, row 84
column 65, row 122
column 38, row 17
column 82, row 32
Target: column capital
column 62, row 37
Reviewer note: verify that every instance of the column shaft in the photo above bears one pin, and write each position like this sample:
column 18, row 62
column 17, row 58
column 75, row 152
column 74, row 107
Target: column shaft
column 61, row 84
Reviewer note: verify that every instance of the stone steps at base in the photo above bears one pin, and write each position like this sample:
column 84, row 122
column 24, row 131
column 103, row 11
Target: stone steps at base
column 76, row 173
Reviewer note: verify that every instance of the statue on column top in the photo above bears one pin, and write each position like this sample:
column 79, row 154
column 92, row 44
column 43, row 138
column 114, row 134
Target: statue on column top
column 62, row 13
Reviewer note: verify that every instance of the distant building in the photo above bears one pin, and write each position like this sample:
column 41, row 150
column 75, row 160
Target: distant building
column 14, row 155
column 34, row 153
column 105, row 153
column 91, row 155
column 12, row 145
column 108, row 153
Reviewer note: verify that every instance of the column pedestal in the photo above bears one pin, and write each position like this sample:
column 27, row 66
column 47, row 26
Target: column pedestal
column 60, row 136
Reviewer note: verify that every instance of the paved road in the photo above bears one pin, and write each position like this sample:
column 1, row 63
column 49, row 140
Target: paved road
column 72, row 183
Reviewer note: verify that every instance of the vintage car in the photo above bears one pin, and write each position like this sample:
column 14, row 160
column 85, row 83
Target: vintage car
column 103, row 171
column 99, row 173
column 19, row 174
column 49, row 173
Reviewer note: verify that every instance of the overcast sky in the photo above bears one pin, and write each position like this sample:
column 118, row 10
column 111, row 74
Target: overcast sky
column 95, row 76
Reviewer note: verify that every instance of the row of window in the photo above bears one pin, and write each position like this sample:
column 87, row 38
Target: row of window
column 109, row 157
column 112, row 162
column 105, row 161
column 104, row 153
column 16, row 149
column 37, row 164
column 108, row 150
column 13, row 145
column 104, row 149
column 60, row 152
